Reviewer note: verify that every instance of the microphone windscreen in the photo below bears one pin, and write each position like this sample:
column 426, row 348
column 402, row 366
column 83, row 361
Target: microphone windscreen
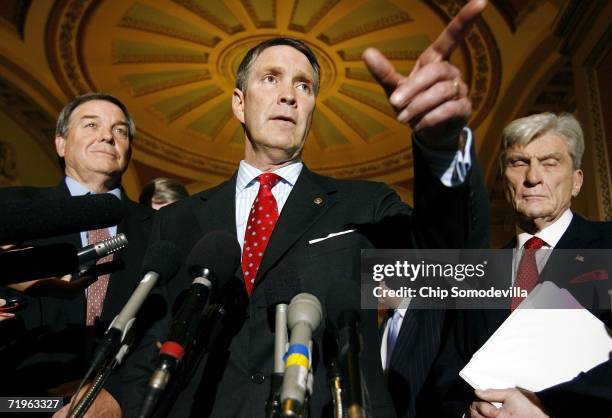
column 342, row 303
column 30, row 213
column 217, row 251
column 161, row 257
column 281, row 285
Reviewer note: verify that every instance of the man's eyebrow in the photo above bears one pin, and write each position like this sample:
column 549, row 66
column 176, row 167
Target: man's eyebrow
column 271, row 69
column 554, row 155
column 524, row 156
column 121, row 122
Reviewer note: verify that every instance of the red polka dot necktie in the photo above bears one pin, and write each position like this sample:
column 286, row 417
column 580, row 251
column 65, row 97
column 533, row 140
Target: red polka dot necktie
column 262, row 219
column 527, row 275
column 97, row 290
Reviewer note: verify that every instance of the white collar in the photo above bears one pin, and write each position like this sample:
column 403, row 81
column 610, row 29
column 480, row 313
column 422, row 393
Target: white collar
column 247, row 174
column 551, row 234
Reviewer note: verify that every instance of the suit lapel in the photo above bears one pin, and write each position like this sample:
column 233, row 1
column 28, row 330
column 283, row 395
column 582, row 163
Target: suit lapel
column 310, row 198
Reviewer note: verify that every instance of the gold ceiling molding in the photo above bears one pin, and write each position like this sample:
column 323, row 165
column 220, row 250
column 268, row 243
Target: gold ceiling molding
column 400, row 161
column 262, row 12
column 599, row 138
column 371, row 17
column 13, row 14
column 8, row 165
column 306, row 13
column 25, row 111
column 157, row 22
column 62, row 44
column 216, row 13
column 146, row 143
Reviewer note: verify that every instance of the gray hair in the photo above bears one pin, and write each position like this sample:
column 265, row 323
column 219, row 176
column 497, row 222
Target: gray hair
column 245, row 65
column 63, row 120
column 524, row 130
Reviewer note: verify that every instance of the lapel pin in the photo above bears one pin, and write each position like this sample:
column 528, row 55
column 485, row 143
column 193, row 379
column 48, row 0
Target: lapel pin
column 579, row 258
column 318, row 200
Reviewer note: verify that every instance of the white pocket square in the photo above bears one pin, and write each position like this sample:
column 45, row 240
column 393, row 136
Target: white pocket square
column 333, row 234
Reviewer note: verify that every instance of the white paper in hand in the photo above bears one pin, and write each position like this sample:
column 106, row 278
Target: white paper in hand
column 538, row 348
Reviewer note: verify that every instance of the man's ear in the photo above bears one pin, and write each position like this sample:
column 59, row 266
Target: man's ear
column 578, row 179
column 238, row 104
column 60, row 145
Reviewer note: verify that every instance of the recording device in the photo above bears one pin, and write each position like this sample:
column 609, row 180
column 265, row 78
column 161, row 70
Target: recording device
column 29, row 213
column 160, row 263
column 212, row 263
column 303, row 316
column 55, row 260
column 280, row 286
column 343, row 302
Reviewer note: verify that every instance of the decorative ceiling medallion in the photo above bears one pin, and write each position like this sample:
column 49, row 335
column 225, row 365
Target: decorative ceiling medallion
column 173, row 63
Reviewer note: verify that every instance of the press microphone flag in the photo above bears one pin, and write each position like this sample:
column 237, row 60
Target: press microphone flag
column 28, row 213
column 303, row 316
column 55, row 260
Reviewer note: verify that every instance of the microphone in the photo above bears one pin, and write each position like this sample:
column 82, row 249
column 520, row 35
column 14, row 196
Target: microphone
column 29, row 213
column 160, row 263
column 343, row 302
column 55, row 259
column 91, row 253
column 212, row 263
column 304, row 316
column 281, row 285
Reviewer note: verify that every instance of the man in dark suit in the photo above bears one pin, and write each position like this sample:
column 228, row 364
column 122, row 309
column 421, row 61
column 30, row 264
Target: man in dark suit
column 93, row 141
column 288, row 217
column 540, row 161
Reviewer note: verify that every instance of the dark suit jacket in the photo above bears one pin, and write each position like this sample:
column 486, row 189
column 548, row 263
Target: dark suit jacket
column 235, row 382
column 51, row 345
column 589, row 394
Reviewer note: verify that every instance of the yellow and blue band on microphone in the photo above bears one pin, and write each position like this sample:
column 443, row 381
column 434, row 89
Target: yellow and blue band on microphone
column 297, row 355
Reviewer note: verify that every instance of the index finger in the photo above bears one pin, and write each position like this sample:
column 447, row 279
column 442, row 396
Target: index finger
column 452, row 36
column 493, row 395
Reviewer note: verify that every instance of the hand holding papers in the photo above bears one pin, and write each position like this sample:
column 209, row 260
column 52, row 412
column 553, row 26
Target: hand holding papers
column 538, row 348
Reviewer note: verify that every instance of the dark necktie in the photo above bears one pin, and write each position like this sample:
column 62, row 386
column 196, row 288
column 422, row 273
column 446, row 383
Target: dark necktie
column 527, row 274
column 261, row 223
column 97, row 290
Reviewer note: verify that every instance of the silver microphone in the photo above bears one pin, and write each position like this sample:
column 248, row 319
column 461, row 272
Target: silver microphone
column 303, row 316
column 93, row 252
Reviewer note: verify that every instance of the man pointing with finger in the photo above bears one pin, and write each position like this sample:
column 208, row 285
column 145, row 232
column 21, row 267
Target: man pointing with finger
column 282, row 213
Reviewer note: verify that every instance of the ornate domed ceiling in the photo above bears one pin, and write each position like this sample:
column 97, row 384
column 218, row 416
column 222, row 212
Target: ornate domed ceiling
column 173, row 63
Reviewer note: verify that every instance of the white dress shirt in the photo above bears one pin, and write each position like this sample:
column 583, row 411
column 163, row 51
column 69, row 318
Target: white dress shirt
column 77, row 189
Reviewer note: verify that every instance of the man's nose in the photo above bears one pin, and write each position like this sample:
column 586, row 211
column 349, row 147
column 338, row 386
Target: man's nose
column 287, row 96
column 106, row 135
column 534, row 174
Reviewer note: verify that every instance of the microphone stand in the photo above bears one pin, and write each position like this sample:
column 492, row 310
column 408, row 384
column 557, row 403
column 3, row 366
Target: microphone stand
column 93, row 391
column 98, row 383
column 335, row 385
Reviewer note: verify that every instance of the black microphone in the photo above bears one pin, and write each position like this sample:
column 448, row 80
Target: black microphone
column 343, row 304
column 303, row 316
column 29, row 213
column 281, row 285
column 212, row 263
column 55, row 259
column 160, row 263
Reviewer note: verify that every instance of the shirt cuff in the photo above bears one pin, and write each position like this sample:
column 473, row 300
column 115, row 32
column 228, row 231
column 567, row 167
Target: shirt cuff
column 451, row 167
